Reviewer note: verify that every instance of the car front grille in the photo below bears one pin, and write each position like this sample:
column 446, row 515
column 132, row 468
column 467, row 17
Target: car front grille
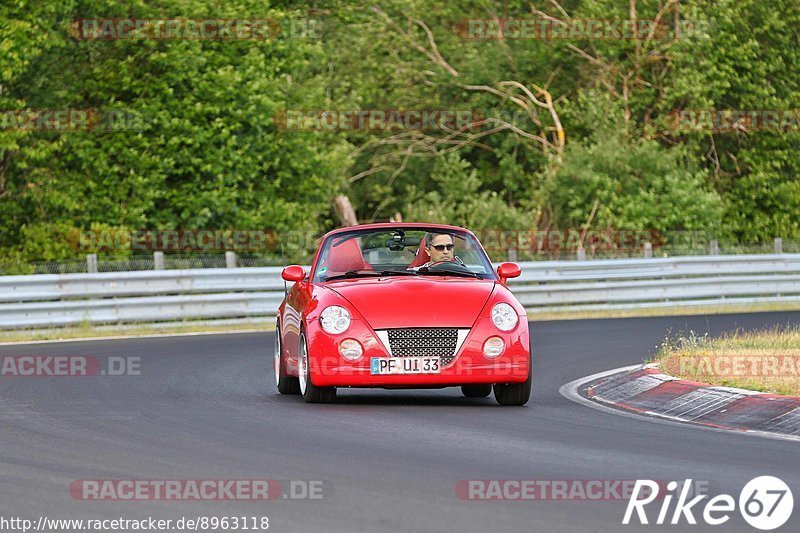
column 424, row 342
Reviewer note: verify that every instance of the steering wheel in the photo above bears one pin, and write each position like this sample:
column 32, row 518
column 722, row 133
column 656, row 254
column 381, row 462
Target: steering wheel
column 457, row 260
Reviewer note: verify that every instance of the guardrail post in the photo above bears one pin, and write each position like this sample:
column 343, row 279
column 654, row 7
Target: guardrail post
column 581, row 255
column 713, row 248
column 158, row 260
column 648, row 250
column 778, row 245
column 230, row 259
column 91, row 263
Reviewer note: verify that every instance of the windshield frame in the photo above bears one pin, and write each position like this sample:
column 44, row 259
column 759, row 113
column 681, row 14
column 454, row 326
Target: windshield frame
column 357, row 231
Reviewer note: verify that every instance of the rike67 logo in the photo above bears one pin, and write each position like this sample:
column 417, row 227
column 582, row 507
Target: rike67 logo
column 765, row 503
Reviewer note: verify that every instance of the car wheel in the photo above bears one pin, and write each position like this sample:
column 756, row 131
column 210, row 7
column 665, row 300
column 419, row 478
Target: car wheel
column 286, row 384
column 311, row 393
column 476, row 391
column 514, row 393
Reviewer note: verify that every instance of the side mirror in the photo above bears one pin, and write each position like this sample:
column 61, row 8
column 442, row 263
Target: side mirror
column 293, row 273
column 508, row 270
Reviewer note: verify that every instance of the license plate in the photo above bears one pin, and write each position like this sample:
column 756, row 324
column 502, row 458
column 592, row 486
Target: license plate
column 405, row 365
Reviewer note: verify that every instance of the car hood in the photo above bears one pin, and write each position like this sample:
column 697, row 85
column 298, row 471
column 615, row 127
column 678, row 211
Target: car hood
column 404, row 302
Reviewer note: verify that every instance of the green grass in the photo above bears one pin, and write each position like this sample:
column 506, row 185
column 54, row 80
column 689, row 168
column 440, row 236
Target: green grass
column 765, row 361
column 86, row 331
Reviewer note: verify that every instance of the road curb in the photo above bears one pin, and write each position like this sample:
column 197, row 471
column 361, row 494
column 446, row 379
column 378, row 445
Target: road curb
column 648, row 391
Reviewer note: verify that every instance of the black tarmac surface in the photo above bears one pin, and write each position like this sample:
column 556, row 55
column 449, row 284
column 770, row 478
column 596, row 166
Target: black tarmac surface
column 206, row 407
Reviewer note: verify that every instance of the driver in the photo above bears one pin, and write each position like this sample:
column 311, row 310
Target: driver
column 439, row 247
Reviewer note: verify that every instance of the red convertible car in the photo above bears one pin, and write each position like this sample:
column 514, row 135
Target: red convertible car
column 402, row 305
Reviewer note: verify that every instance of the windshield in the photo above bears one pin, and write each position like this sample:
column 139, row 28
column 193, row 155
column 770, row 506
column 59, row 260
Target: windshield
column 400, row 252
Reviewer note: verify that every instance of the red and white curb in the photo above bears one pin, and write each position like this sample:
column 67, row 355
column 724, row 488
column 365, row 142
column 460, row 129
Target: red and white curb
column 645, row 390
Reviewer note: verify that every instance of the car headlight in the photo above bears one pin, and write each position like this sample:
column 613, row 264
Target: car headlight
column 335, row 319
column 504, row 317
column 351, row 349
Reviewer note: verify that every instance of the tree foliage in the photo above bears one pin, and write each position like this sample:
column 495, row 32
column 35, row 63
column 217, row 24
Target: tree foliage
column 574, row 131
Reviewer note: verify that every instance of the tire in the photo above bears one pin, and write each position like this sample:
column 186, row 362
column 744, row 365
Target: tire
column 311, row 393
column 286, row 384
column 514, row 394
column 476, row 391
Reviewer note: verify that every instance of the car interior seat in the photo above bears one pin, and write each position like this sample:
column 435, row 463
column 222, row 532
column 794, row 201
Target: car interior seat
column 422, row 255
column 346, row 256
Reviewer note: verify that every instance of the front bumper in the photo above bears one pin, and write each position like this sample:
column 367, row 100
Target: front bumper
column 469, row 366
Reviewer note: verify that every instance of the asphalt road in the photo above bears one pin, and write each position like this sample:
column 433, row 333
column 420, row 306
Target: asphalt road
column 205, row 407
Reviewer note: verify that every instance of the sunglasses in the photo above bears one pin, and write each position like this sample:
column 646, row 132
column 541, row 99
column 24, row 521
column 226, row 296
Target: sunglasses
column 443, row 247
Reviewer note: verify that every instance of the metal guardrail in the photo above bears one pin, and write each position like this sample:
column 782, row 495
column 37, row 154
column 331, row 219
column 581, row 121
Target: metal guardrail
column 531, row 246
column 138, row 283
column 176, row 295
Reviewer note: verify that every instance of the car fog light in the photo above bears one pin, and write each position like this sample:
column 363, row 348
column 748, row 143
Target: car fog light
column 493, row 347
column 350, row 349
